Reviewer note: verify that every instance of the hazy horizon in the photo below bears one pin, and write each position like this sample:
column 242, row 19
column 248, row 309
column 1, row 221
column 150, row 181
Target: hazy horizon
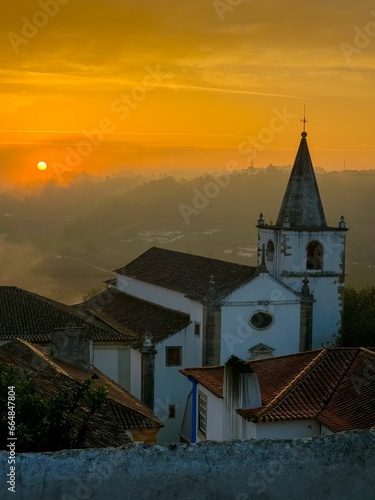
column 196, row 86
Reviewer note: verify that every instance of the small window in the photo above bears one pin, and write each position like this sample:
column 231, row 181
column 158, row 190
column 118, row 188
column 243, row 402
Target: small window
column 202, row 415
column 197, row 329
column 314, row 257
column 172, row 411
column 173, row 356
column 261, row 320
column 270, row 251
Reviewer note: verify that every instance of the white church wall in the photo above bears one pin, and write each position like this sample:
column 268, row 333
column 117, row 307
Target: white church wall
column 153, row 293
column 331, row 241
column 266, row 295
column 326, row 310
column 262, row 288
column 289, row 265
column 291, row 249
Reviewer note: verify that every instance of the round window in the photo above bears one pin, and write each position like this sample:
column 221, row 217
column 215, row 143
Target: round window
column 261, row 320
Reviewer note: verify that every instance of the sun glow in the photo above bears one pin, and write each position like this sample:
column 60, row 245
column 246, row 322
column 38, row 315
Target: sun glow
column 42, row 165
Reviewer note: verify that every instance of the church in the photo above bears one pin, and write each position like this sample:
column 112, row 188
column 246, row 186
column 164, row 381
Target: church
column 192, row 311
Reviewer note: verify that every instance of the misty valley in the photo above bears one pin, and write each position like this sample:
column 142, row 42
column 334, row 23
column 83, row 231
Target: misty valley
column 63, row 241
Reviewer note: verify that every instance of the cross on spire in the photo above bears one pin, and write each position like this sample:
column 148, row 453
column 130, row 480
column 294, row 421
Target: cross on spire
column 304, row 121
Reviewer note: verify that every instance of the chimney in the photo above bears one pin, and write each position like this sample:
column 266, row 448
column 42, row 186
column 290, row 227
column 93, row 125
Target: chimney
column 73, row 345
column 241, row 391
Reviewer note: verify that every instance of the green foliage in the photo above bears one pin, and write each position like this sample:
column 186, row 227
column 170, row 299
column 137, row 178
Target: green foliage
column 48, row 423
column 358, row 319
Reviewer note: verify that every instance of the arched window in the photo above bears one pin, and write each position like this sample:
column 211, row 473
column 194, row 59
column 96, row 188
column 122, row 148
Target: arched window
column 314, row 257
column 270, row 250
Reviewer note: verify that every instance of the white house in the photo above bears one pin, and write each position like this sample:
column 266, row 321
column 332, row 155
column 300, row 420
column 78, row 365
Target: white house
column 299, row 395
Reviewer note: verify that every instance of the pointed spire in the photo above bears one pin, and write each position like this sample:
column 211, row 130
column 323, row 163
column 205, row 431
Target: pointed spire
column 302, row 205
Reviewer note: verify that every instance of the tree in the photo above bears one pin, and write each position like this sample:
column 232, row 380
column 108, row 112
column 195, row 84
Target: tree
column 358, row 318
column 48, row 423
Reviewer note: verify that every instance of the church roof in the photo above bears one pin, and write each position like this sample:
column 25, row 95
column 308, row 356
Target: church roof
column 187, row 274
column 31, row 317
column 330, row 385
column 302, row 206
column 121, row 310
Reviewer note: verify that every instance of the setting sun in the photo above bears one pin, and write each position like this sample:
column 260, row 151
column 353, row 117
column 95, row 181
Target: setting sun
column 42, row 165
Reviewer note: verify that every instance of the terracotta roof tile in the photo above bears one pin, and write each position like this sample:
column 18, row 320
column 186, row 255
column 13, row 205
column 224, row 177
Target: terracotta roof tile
column 352, row 406
column 210, row 377
column 335, row 386
column 187, row 274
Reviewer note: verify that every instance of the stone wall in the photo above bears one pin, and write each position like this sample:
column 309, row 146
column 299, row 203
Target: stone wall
column 340, row 466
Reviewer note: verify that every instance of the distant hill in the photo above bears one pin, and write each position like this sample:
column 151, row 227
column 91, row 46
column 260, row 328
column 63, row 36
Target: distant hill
column 107, row 222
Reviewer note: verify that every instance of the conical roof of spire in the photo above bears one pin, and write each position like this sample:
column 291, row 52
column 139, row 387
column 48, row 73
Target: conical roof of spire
column 302, row 206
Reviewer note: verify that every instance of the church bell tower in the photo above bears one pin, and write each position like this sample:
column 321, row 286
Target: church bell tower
column 301, row 248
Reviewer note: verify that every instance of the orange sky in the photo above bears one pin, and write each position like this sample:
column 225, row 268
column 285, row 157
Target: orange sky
column 175, row 86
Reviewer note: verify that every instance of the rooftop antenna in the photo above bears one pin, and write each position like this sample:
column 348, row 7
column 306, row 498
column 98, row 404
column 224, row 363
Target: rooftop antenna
column 304, row 121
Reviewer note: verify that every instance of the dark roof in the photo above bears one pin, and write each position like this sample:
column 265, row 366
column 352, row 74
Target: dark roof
column 187, row 274
column 122, row 412
column 302, row 205
column 121, row 310
column 32, row 317
column 333, row 386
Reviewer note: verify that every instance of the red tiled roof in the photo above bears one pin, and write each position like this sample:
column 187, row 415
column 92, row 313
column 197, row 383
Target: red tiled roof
column 306, row 395
column 352, row 405
column 188, row 274
column 210, row 377
column 334, row 386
